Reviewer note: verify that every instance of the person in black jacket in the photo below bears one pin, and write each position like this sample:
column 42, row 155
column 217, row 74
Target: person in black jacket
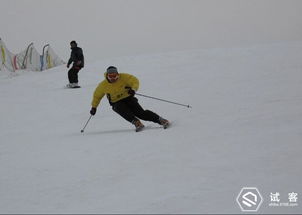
column 77, row 58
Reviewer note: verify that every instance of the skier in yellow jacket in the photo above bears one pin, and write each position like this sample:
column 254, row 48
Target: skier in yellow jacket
column 120, row 90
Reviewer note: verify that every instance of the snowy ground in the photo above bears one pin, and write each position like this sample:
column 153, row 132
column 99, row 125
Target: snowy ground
column 244, row 130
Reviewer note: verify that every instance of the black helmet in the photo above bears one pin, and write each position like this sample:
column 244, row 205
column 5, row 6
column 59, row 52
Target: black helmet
column 73, row 42
column 112, row 69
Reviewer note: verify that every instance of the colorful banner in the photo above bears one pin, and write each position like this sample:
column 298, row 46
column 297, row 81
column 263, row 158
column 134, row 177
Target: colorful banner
column 29, row 59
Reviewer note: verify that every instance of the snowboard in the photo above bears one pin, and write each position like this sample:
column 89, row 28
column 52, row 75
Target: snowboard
column 72, row 87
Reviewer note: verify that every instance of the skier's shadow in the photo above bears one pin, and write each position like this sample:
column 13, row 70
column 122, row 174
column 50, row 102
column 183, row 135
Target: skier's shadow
column 120, row 131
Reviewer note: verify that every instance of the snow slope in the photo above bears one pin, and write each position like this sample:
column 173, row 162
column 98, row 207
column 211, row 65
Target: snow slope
column 244, row 130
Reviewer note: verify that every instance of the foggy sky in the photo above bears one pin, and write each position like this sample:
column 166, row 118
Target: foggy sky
column 109, row 28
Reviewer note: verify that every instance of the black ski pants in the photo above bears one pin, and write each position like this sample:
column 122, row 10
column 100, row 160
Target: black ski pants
column 130, row 110
column 73, row 74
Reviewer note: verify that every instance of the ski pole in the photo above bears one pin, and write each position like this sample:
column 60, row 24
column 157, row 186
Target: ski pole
column 86, row 124
column 176, row 103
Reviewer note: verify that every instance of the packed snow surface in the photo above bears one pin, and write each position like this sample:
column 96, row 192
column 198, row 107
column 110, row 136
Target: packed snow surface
column 244, row 130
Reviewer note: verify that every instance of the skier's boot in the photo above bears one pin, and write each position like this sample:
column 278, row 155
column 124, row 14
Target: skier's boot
column 165, row 123
column 69, row 85
column 75, row 85
column 138, row 125
column 72, row 85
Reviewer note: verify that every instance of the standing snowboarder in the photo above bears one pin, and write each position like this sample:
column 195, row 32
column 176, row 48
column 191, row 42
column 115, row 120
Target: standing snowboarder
column 77, row 58
column 120, row 90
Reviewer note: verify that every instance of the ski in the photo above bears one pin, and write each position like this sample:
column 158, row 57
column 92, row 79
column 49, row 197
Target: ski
column 150, row 127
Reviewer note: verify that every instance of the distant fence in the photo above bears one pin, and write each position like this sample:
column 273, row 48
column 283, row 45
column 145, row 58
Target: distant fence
column 28, row 59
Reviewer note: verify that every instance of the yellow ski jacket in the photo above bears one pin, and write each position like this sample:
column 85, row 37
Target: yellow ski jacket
column 115, row 91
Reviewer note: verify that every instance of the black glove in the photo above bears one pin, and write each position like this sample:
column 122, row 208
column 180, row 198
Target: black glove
column 131, row 92
column 93, row 111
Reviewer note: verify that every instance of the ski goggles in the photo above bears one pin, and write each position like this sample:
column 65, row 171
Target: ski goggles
column 113, row 76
